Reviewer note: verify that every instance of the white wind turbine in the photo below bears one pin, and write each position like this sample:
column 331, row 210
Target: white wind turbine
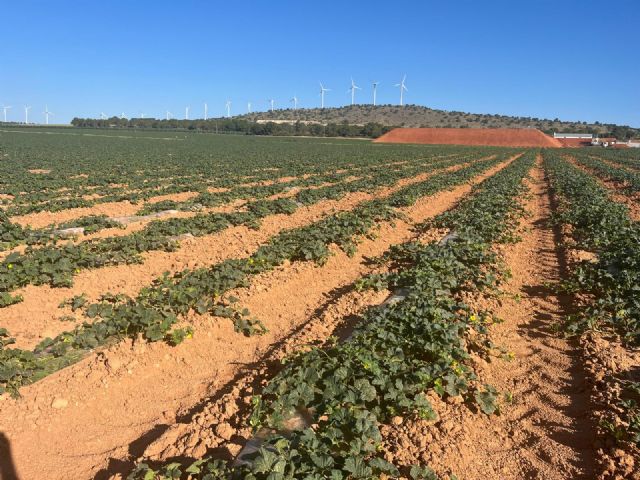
column 186, row 113
column 353, row 89
column 206, row 110
column 168, row 114
column 103, row 116
column 375, row 89
column 142, row 115
column 322, row 92
column 248, row 107
column 5, row 108
column 122, row 116
column 228, row 107
column 26, row 114
column 46, row 114
column 294, row 99
column 403, row 89
column 271, row 102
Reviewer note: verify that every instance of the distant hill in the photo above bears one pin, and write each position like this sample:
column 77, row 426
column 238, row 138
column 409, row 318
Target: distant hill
column 419, row 116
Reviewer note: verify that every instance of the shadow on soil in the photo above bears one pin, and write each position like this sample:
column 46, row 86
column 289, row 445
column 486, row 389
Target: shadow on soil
column 7, row 467
column 249, row 370
column 581, row 436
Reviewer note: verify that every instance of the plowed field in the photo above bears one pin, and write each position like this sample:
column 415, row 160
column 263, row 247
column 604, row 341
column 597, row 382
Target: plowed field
column 240, row 307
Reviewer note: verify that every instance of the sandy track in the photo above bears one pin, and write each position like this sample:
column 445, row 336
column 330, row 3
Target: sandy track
column 38, row 316
column 120, row 400
column 546, row 431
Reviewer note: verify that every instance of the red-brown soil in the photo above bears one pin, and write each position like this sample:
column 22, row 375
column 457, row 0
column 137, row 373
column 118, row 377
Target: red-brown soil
column 544, row 431
column 615, row 189
column 574, row 142
column 38, row 316
column 109, row 407
column 499, row 137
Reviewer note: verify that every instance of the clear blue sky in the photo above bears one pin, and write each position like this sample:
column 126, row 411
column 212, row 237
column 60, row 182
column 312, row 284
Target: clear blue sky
column 576, row 60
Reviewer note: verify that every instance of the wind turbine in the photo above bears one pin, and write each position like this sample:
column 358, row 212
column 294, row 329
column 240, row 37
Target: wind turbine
column 353, row 89
column 402, row 88
column 122, row 116
column 228, row 107
column 186, row 113
column 46, row 114
column 375, row 88
column 26, row 114
column 248, row 107
column 169, row 114
column 5, row 108
column 142, row 115
column 295, row 102
column 271, row 102
column 206, row 110
column 322, row 90
column 103, row 116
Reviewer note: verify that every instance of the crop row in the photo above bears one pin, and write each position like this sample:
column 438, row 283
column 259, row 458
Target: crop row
column 603, row 227
column 154, row 312
column 58, row 201
column 56, row 265
column 629, row 179
column 13, row 234
column 630, row 158
column 607, row 286
column 73, row 166
column 396, row 355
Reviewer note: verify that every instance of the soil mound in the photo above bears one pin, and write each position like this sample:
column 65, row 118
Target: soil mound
column 499, row 137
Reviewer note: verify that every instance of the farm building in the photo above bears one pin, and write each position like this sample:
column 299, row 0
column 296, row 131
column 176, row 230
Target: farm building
column 574, row 139
column 604, row 141
column 585, row 136
column 634, row 143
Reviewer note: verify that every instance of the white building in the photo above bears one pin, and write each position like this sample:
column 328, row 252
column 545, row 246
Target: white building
column 581, row 136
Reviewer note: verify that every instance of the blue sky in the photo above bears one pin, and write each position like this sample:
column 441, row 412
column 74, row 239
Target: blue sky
column 576, row 60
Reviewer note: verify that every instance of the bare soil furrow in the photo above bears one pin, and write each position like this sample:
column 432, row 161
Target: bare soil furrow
column 118, row 401
column 632, row 201
column 38, row 316
column 544, row 429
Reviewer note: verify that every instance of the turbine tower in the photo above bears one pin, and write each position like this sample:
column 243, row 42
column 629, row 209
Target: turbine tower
column 46, row 114
column 142, row 115
column 228, row 107
column 375, row 89
column 186, row 113
column 295, row 102
column 271, row 102
column 26, row 114
column 248, row 107
column 122, row 116
column 168, row 114
column 322, row 91
column 353, row 89
column 103, row 116
column 206, row 110
column 403, row 89
column 5, row 108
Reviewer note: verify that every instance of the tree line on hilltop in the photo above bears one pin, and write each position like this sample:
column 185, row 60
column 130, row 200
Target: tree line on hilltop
column 240, row 126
